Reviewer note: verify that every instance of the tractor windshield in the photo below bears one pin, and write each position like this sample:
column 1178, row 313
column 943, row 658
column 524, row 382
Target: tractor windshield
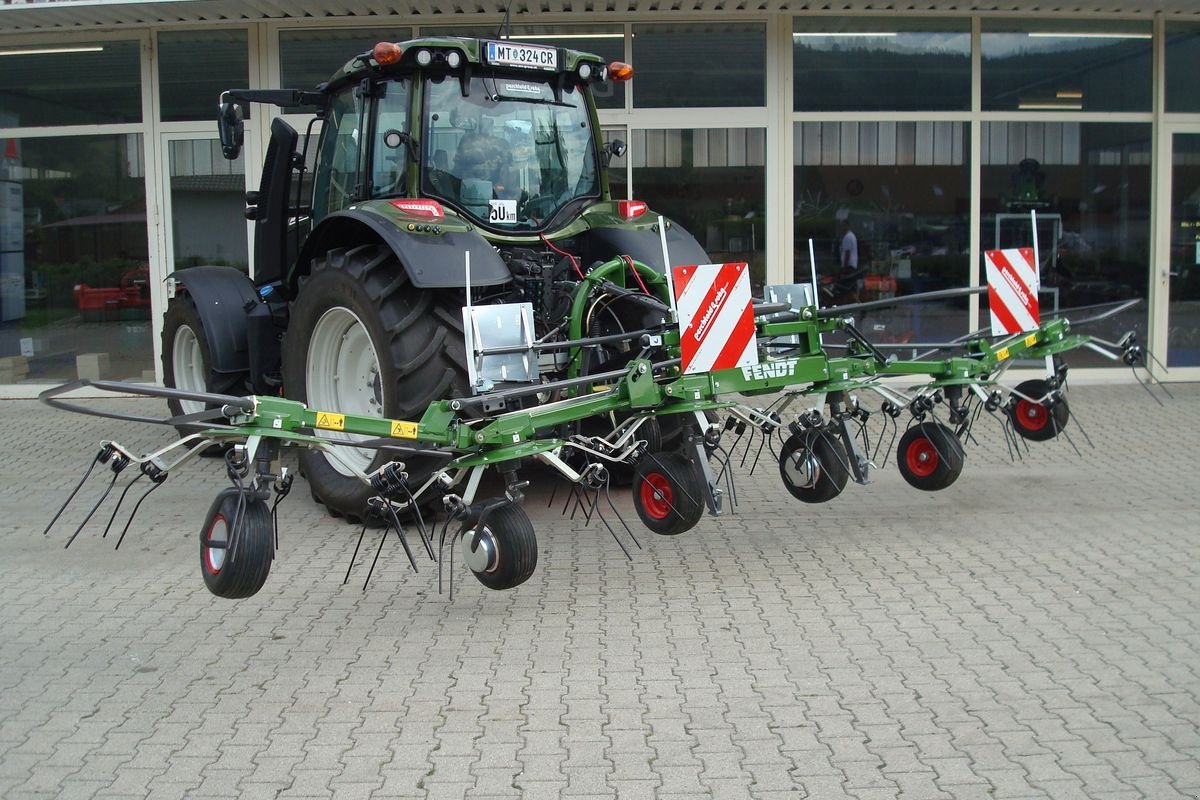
column 508, row 154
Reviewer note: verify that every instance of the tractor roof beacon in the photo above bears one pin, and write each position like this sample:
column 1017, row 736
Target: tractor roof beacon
column 443, row 165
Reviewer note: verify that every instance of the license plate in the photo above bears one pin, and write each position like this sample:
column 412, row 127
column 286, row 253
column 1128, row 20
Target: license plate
column 525, row 56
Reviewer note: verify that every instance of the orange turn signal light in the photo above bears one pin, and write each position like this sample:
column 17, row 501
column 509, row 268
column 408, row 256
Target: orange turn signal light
column 619, row 72
column 386, row 53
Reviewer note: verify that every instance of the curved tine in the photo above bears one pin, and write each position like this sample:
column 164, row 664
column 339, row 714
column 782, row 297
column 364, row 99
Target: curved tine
column 758, row 455
column 95, row 508
column 891, row 441
column 1144, row 386
column 1083, row 430
column 825, row 434
column 441, row 558
column 600, row 516
column 1007, row 431
column 375, row 560
column 395, row 520
column 608, row 498
column 117, row 507
column 422, row 531
column 133, row 513
column 87, row 473
column 354, row 557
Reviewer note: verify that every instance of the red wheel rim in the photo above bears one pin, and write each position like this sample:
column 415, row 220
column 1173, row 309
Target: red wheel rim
column 1032, row 416
column 214, row 557
column 921, row 457
column 656, row 495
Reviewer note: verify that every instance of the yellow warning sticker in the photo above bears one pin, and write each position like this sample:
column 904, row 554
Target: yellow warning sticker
column 1002, row 354
column 404, row 430
column 1031, row 340
column 330, row 421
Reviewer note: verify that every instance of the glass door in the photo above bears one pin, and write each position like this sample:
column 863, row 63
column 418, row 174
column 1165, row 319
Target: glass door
column 1183, row 313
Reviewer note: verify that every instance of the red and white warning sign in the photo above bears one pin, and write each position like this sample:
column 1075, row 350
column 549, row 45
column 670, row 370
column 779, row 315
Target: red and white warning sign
column 716, row 317
column 1012, row 277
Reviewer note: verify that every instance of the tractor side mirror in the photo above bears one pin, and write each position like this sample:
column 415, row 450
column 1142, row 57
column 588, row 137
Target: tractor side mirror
column 230, row 127
column 614, row 149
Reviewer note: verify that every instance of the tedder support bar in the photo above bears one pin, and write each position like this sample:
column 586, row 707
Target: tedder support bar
column 649, row 387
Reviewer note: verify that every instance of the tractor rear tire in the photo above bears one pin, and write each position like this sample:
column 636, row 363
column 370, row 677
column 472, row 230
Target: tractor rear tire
column 362, row 340
column 186, row 361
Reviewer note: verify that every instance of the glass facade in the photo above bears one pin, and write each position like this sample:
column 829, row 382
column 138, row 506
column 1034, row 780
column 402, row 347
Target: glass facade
column 207, row 191
column 194, row 67
column 661, row 81
column 75, row 83
column 713, row 183
column 856, row 64
column 1066, row 65
column 76, row 272
column 309, row 57
column 886, row 208
column 1183, row 331
column 1089, row 186
column 880, row 143
column 1183, row 54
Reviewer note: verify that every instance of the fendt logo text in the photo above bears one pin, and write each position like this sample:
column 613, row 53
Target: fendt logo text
column 775, row 369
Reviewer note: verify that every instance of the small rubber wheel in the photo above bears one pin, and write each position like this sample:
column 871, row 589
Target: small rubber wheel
column 1037, row 422
column 929, row 456
column 813, row 465
column 506, row 553
column 668, row 493
column 237, row 572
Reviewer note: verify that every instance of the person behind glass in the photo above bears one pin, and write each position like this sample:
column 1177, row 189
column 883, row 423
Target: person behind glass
column 849, row 261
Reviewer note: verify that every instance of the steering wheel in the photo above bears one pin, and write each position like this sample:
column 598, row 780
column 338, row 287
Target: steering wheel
column 539, row 206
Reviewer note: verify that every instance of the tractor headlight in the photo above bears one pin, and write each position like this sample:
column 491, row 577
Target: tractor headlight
column 585, row 71
column 454, row 59
column 424, row 58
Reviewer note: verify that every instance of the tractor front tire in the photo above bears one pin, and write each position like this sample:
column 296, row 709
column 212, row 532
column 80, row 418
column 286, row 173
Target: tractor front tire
column 186, row 361
column 362, row 340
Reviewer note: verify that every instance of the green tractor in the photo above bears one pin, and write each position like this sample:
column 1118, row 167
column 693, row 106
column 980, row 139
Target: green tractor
column 448, row 172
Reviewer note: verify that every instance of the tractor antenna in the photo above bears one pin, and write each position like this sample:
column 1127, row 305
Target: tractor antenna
column 505, row 30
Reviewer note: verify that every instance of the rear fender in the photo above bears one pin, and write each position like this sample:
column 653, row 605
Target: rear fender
column 431, row 260
column 643, row 244
column 223, row 296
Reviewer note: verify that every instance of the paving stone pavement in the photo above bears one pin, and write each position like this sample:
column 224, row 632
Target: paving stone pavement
column 1031, row 632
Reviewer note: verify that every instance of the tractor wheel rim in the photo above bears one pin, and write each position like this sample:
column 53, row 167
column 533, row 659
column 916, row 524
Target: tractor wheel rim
column 485, row 559
column 921, row 457
column 656, row 495
column 214, row 557
column 343, row 376
column 187, row 365
column 1033, row 416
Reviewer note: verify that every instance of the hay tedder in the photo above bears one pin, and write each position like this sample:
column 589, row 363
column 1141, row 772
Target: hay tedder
column 670, row 418
column 452, row 288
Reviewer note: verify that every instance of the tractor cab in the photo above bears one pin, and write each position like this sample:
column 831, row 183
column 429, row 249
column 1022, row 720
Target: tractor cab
column 499, row 133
